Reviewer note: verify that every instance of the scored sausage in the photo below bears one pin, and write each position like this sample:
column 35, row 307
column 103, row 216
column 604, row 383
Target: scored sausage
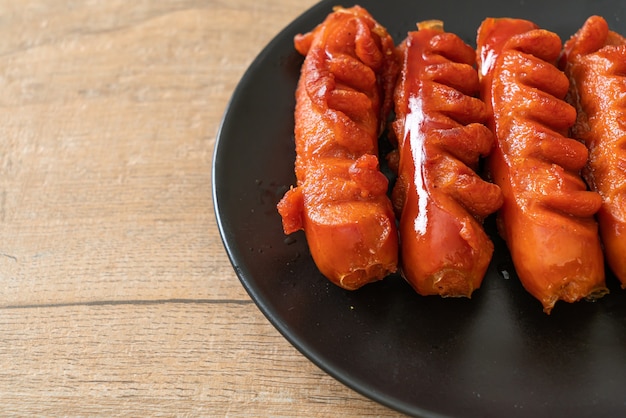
column 547, row 217
column 595, row 61
column 441, row 200
column 342, row 100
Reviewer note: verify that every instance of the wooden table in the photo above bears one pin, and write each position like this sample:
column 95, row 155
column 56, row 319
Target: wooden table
column 117, row 297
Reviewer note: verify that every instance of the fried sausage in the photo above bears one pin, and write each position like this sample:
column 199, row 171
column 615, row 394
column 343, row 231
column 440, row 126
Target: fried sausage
column 342, row 100
column 595, row 61
column 547, row 217
column 441, row 199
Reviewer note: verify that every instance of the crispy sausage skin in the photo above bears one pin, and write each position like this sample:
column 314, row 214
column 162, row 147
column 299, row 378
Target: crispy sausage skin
column 547, row 217
column 342, row 100
column 440, row 132
column 595, row 61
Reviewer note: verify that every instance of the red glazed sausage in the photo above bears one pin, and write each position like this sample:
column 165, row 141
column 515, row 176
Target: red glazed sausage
column 547, row 217
column 440, row 133
column 595, row 61
column 343, row 97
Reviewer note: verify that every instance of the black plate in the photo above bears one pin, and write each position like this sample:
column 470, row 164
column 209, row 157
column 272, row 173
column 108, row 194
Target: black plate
column 495, row 355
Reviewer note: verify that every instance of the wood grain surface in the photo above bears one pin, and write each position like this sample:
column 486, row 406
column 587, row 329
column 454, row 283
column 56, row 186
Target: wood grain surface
column 117, row 298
